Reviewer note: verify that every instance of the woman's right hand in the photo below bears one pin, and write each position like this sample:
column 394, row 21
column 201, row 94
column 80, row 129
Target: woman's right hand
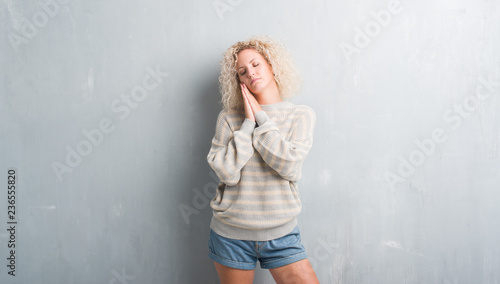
column 248, row 108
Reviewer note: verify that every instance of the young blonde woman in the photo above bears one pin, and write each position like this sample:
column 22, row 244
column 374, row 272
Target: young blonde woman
column 260, row 143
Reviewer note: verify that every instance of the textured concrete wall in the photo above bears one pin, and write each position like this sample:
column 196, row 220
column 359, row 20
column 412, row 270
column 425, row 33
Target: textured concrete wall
column 108, row 108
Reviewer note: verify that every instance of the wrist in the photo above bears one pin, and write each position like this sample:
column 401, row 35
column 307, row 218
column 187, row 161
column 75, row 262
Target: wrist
column 257, row 109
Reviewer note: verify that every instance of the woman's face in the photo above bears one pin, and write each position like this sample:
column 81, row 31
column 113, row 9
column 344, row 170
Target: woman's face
column 254, row 71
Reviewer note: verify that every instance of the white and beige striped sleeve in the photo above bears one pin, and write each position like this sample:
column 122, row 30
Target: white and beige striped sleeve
column 230, row 150
column 285, row 156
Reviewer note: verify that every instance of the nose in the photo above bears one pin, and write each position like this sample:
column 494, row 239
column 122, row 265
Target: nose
column 251, row 72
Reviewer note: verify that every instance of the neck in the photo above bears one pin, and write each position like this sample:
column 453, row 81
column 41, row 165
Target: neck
column 268, row 96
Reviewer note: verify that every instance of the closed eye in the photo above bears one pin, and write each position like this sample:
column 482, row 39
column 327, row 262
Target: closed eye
column 241, row 74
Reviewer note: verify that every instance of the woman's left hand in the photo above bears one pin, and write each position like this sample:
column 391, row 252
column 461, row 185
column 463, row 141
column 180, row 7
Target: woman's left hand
column 251, row 99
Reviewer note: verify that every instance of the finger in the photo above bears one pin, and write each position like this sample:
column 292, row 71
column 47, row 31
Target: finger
column 244, row 88
column 254, row 104
column 243, row 91
column 247, row 105
column 247, row 92
column 245, row 98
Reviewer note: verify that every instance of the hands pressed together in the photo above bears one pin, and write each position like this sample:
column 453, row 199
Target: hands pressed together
column 251, row 104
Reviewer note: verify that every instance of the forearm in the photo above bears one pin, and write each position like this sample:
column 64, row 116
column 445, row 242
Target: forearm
column 228, row 155
column 285, row 156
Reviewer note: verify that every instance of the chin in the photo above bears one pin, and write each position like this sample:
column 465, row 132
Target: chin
column 256, row 89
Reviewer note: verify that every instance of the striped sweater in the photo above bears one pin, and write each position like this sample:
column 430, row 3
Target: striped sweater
column 258, row 166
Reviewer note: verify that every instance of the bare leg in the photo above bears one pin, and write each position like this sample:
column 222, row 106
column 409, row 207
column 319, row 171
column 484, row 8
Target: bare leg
column 298, row 272
column 229, row 275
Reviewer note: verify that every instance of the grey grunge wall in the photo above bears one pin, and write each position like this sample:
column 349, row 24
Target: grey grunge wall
column 108, row 108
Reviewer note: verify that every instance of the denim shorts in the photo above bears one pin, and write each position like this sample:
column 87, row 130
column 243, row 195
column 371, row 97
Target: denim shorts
column 244, row 254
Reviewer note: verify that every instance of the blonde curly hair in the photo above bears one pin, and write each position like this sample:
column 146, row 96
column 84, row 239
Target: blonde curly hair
column 277, row 56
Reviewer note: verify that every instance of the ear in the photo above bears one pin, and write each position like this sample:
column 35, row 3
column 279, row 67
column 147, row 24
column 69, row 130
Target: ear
column 271, row 69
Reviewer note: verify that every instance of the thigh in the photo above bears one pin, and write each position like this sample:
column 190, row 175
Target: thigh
column 229, row 275
column 295, row 273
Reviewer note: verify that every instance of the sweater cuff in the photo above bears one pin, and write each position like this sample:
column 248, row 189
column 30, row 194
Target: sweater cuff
column 261, row 117
column 247, row 126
